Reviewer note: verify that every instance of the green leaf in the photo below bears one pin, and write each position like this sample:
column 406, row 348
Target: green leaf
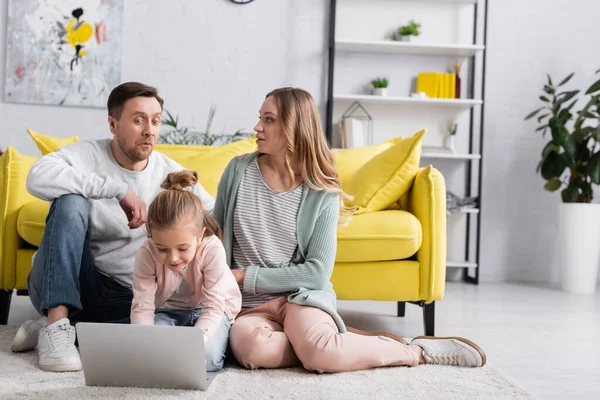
column 541, row 117
column 553, row 185
column 566, row 79
column 544, row 98
column 571, row 150
column 549, row 79
column 553, row 166
column 559, row 133
column 550, row 147
column 570, row 194
column 541, row 128
column 533, row 113
column 594, row 168
column 549, row 89
column 594, row 88
column 566, row 96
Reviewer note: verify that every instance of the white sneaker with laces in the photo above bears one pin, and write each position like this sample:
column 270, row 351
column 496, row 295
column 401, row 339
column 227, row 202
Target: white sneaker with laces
column 56, row 347
column 26, row 337
column 455, row 351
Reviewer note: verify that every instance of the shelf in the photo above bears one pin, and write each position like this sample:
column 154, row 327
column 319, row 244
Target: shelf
column 460, row 264
column 449, row 103
column 396, row 47
column 450, row 156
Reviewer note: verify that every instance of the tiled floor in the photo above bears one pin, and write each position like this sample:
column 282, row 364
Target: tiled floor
column 546, row 340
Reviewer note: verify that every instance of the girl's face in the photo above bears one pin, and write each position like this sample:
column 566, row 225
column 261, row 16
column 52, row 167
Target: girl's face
column 269, row 133
column 177, row 246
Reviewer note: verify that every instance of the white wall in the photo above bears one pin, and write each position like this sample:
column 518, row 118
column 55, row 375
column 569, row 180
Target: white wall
column 198, row 54
column 526, row 40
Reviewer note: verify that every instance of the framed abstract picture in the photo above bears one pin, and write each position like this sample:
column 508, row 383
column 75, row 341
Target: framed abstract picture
column 63, row 52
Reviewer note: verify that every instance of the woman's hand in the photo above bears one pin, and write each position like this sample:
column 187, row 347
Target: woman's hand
column 239, row 274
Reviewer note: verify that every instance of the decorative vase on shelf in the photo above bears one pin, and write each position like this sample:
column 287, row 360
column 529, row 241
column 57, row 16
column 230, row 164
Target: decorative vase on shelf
column 379, row 91
column 449, row 143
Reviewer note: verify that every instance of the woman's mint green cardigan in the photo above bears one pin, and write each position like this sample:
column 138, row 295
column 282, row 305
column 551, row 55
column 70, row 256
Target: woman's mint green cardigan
column 308, row 274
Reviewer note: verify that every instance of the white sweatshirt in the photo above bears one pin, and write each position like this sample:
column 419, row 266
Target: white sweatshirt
column 89, row 168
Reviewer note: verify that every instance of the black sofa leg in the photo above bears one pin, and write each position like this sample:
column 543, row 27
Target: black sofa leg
column 5, row 298
column 429, row 318
column 401, row 308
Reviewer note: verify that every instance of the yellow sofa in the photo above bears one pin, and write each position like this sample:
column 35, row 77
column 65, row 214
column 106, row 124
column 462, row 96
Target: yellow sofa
column 397, row 254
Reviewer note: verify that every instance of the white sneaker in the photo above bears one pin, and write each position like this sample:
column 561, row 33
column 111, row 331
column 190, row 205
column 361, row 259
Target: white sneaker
column 455, row 351
column 26, row 337
column 56, row 347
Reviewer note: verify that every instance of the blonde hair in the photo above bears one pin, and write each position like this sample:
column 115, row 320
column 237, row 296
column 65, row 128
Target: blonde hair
column 176, row 205
column 305, row 141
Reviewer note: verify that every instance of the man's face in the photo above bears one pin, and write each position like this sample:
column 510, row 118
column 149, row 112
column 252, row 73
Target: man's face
column 138, row 127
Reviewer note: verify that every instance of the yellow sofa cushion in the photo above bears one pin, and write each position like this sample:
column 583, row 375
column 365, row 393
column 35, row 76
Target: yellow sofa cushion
column 387, row 176
column 348, row 161
column 32, row 220
column 210, row 165
column 49, row 144
column 379, row 236
column 178, row 152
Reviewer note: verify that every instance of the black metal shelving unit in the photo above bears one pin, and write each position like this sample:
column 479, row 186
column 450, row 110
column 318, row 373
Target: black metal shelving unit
column 476, row 75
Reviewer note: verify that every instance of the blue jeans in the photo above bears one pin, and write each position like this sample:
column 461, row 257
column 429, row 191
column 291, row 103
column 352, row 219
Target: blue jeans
column 217, row 345
column 63, row 271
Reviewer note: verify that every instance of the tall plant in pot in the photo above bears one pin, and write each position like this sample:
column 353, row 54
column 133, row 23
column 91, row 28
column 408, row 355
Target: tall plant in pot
column 570, row 163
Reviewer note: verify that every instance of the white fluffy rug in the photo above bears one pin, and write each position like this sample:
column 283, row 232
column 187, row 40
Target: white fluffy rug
column 21, row 378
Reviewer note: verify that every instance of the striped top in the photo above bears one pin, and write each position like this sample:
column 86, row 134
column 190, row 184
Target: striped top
column 264, row 236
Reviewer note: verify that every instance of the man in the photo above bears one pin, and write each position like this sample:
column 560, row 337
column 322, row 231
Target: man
column 99, row 190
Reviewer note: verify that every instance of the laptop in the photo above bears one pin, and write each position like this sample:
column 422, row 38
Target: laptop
column 165, row 357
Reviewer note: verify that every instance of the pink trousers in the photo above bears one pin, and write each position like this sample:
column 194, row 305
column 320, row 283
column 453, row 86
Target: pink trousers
column 279, row 334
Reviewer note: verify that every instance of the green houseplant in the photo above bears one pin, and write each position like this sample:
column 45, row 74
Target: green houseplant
column 380, row 86
column 188, row 136
column 570, row 161
column 406, row 32
column 571, row 158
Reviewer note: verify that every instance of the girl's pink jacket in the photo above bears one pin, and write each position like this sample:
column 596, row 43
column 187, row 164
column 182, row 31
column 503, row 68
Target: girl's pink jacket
column 214, row 288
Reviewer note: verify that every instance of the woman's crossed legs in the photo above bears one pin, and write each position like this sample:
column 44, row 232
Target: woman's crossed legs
column 279, row 334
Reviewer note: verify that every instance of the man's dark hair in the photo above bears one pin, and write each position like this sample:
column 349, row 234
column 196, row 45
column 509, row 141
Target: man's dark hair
column 128, row 90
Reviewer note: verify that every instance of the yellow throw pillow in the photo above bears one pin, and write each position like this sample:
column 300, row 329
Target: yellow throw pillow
column 387, row 176
column 49, row 144
column 211, row 164
column 180, row 152
column 348, row 161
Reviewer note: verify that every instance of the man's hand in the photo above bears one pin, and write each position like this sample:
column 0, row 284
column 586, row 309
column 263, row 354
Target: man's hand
column 239, row 274
column 135, row 209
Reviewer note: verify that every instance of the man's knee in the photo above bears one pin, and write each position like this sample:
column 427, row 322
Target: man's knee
column 72, row 208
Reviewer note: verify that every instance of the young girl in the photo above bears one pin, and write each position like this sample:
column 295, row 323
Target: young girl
column 181, row 276
column 279, row 210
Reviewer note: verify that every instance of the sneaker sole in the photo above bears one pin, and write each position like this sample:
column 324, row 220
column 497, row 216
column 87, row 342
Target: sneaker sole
column 460, row 339
column 20, row 337
column 61, row 367
column 385, row 334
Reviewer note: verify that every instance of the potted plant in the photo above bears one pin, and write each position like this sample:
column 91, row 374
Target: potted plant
column 405, row 33
column 571, row 162
column 380, row 86
column 449, row 138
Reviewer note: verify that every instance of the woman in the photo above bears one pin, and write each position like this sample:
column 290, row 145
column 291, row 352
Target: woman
column 279, row 209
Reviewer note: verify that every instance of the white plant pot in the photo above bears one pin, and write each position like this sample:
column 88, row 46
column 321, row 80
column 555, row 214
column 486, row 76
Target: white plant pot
column 579, row 231
column 380, row 91
column 407, row 38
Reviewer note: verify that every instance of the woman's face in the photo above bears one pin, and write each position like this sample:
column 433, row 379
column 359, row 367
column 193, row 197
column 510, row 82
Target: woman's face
column 269, row 133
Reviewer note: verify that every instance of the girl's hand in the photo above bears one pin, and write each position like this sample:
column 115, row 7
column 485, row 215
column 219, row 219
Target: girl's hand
column 239, row 274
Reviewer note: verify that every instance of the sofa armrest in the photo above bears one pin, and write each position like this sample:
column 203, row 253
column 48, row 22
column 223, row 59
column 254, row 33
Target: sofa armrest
column 14, row 168
column 426, row 200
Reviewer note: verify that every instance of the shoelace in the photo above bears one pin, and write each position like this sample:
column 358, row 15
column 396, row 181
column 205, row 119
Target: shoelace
column 61, row 337
column 442, row 358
